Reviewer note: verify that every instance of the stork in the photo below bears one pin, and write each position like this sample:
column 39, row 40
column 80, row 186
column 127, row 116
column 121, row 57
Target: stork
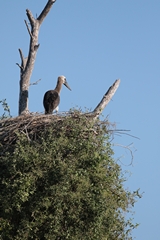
column 51, row 98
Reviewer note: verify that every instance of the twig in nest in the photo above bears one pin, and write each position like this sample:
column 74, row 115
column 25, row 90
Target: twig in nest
column 26, row 134
column 128, row 148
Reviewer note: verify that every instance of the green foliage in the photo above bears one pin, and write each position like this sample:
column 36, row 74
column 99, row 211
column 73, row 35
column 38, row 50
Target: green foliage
column 6, row 109
column 63, row 183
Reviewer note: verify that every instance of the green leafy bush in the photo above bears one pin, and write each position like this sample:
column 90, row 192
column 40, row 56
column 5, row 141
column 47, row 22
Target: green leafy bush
column 63, row 183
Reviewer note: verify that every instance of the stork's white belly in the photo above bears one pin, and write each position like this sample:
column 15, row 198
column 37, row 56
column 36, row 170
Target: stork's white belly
column 56, row 109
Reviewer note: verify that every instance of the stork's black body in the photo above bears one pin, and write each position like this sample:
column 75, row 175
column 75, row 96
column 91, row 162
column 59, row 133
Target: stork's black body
column 51, row 101
column 51, row 98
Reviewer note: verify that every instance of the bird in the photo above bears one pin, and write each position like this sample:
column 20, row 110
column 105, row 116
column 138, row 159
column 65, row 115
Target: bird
column 51, row 98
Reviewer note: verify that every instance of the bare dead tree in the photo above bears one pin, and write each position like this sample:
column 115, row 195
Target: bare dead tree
column 27, row 64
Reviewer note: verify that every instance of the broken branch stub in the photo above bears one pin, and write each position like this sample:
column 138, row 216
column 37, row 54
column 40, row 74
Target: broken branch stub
column 27, row 64
column 105, row 100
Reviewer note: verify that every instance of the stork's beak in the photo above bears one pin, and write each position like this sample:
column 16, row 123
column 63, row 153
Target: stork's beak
column 66, row 84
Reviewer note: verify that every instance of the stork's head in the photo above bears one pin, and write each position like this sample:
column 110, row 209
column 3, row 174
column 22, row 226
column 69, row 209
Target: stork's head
column 62, row 79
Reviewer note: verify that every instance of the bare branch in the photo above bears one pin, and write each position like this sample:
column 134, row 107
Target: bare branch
column 129, row 149
column 30, row 17
column 19, row 66
column 21, row 54
column 22, row 58
column 35, row 83
column 45, row 11
column 123, row 131
column 29, row 31
column 106, row 99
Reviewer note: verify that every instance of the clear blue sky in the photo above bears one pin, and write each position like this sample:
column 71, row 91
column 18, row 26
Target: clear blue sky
column 93, row 43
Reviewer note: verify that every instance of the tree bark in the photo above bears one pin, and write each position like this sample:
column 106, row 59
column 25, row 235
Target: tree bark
column 27, row 64
column 105, row 100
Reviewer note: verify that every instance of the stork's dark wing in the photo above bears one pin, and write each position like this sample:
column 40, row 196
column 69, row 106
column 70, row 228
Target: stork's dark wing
column 50, row 101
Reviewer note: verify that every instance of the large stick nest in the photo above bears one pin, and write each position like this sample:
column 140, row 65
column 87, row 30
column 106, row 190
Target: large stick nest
column 27, row 125
column 34, row 125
